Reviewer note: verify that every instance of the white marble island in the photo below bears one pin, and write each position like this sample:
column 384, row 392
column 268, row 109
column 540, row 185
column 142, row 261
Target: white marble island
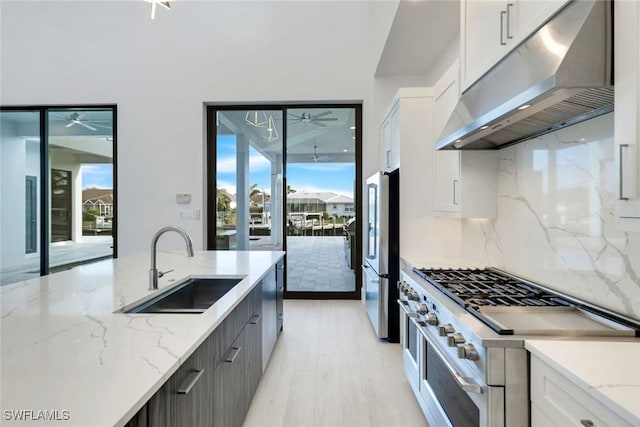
column 66, row 351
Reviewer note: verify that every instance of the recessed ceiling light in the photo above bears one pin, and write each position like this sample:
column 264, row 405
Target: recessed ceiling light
column 345, row 150
column 353, row 137
column 458, row 140
column 484, row 127
column 352, row 128
column 524, row 107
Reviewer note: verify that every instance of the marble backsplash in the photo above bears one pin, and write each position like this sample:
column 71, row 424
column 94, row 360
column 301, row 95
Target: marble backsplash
column 556, row 221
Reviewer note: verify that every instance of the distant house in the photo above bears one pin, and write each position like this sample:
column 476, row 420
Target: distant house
column 230, row 197
column 335, row 205
column 98, row 199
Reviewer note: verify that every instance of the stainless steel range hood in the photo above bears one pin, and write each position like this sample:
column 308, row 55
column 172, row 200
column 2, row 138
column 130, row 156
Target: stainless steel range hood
column 561, row 75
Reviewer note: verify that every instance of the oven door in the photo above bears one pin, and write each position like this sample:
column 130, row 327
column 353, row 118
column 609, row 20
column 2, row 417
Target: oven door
column 410, row 340
column 452, row 398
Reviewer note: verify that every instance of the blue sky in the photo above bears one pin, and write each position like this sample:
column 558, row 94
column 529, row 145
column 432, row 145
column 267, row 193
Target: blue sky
column 98, row 175
column 310, row 177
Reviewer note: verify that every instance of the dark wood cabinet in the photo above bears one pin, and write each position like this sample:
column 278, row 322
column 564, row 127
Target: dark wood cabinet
column 229, row 386
column 215, row 385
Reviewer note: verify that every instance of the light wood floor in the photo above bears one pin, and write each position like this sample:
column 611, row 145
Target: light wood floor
column 329, row 369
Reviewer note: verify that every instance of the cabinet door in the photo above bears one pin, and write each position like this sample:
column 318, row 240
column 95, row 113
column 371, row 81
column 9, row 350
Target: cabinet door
column 627, row 108
column 446, row 163
column 447, row 182
column 532, row 14
column 390, row 132
column 484, row 38
column 189, row 389
column 253, row 360
column 269, row 320
column 229, row 386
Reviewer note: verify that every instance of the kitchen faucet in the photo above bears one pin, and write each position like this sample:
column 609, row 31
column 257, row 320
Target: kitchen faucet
column 153, row 271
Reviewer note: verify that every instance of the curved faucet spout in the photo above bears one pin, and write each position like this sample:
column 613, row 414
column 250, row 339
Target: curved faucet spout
column 153, row 271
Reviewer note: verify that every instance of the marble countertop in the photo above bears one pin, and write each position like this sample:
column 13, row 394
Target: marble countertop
column 607, row 370
column 64, row 350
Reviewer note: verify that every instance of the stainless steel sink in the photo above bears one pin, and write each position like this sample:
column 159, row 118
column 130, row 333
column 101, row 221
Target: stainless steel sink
column 194, row 295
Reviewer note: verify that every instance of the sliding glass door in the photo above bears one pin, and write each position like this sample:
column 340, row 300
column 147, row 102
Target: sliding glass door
column 57, row 189
column 287, row 178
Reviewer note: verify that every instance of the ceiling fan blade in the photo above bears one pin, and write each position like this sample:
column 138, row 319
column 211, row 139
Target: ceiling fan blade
column 324, row 113
column 101, row 126
column 86, row 125
column 327, row 119
column 317, row 123
column 297, row 117
column 68, row 125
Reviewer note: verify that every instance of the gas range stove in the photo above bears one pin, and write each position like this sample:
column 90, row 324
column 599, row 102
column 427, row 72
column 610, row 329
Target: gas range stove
column 462, row 336
column 508, row 304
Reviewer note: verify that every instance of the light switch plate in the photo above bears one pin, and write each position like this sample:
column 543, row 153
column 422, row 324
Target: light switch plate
column 183, row 198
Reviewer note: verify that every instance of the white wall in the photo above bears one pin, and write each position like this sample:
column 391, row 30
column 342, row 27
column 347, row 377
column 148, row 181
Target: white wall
column 160, row 73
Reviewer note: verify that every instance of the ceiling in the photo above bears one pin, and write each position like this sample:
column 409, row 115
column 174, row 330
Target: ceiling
column 421, row 30
column 330, row 138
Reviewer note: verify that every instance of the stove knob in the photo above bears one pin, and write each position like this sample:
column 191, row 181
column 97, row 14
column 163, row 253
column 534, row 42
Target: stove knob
column 467, row 351
column 432, row 319
column 422, row 309
column 454, row 339
column 413, row 296
column 445, row 329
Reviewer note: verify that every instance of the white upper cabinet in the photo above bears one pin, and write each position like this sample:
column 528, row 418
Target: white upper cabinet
column 464, row 182
column 489, row 29
column 627, row 111
column 390, row 132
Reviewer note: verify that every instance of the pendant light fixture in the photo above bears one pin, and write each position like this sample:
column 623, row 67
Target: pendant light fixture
column 256, row 118
column 271, row 133
column 164, row 4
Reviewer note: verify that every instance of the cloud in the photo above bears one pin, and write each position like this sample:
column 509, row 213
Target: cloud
column 257, row 162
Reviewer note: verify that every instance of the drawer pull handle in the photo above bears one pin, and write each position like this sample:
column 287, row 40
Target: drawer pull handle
column 231, row 358
column 256, row 319
column 502, row 15
column 587, row 423
column 621, row 147
column 193, row 378
column 509, row 35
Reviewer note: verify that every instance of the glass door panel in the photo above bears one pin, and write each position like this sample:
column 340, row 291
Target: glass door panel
column 321, row 173
column 249, row 180
column 20, row 223
column 81, row 193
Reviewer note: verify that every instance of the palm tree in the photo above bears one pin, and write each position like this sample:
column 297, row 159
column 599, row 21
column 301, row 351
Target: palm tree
column 253, row 190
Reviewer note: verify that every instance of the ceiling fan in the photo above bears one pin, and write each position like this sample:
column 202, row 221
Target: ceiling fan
column 76, row 119
column 317, row 158
column 316, row 119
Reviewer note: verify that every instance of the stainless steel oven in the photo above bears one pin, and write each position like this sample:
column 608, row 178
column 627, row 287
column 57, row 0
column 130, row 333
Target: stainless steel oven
column 409, row 340
column 453, row 394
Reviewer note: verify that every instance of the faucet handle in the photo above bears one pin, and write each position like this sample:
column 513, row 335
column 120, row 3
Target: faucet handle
column 162, row 273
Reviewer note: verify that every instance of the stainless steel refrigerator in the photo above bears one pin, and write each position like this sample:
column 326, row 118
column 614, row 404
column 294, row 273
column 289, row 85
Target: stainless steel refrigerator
column 382, row 262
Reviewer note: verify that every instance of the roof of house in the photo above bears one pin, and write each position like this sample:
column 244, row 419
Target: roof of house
column 324, row 197
column 227, row 195
column 98, row 194
column 257, row 198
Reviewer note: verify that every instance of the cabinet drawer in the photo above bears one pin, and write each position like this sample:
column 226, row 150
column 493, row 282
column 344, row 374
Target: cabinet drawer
column 566, row 404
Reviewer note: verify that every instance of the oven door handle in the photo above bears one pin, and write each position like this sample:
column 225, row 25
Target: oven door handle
column 405, row 307
column 464, row 384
